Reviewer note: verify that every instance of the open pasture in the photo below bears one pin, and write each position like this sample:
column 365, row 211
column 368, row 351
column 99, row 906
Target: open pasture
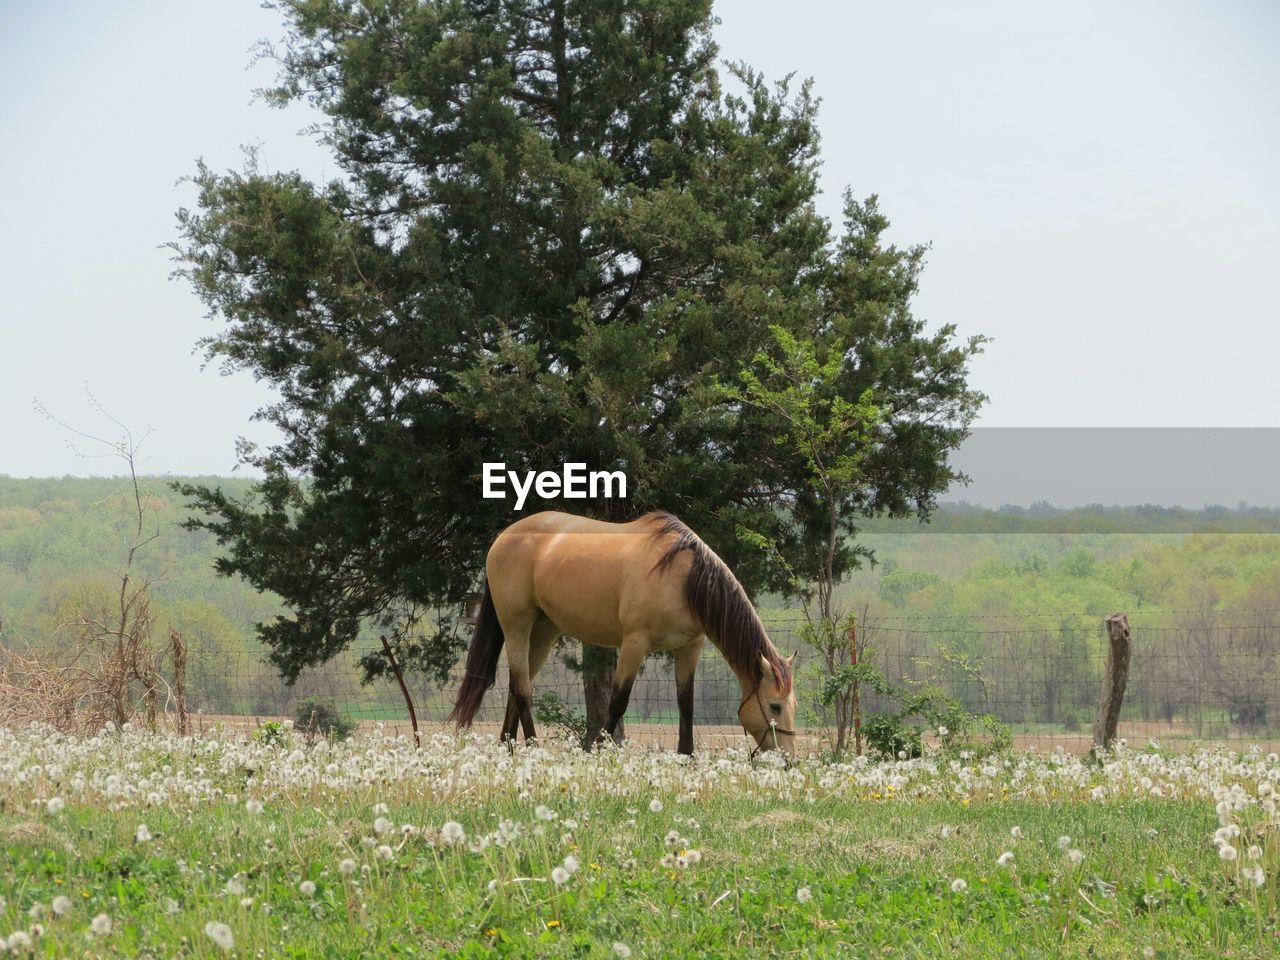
column 135, row 844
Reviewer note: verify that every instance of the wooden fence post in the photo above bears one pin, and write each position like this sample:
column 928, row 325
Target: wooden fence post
column 1113, row 681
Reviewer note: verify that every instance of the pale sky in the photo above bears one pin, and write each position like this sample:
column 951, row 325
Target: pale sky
column 1097, row 180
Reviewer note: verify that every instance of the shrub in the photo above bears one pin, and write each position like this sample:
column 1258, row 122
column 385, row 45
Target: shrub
column 314, row 715
column 548, row 708
column 272, row 733
column 889, row 735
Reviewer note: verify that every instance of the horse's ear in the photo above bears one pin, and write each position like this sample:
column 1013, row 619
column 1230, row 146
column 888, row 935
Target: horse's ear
column 792, row 659
column 766, row 668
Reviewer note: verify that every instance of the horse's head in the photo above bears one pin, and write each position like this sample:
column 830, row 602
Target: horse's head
column 768, row 712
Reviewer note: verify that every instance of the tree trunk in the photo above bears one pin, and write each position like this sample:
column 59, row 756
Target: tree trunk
column 597, row 690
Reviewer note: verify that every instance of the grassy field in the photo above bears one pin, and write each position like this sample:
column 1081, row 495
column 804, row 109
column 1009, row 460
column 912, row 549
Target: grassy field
column 137, row 845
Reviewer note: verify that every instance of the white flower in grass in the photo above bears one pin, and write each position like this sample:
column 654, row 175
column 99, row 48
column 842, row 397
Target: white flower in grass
column 383, row 825
column 958, row 885
column 19, row 941
column 246, row 902
column 1255, row 875
column 347, row 867
column 571, row 863
column 100, row 925
column 220, row 934
column 1005, row 858
column 308, row 888
column 804, row 895
column 1227, row 852
column 235, row 886
column 385, row 852
column 171, row 906
column 655, row 805
column 452, row 832
column 620, row 949
column 378, row 808
column 1255, row 852
column 61, row 905
column 543, row 812
column 142, row 834
column 1075, row 856
column 1016, row 833
column 946, row 832
column 560, row 876
column 942, row 730
column 693, row 856
column 54, row 806
column 1064, row 843
column 253, row 806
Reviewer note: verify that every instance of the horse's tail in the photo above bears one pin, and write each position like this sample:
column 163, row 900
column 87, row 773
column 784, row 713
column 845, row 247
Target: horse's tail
column 482, row 662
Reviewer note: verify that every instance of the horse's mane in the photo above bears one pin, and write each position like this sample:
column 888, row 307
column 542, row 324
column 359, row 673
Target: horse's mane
column 719, row 603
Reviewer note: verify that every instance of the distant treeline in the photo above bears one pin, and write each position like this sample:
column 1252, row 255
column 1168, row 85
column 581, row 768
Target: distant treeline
column 1014, row 590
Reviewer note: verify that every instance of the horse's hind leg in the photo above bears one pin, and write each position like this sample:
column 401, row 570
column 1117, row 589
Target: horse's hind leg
column 529, row 642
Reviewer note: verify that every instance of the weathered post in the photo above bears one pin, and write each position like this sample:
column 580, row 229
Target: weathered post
column 1113, row 681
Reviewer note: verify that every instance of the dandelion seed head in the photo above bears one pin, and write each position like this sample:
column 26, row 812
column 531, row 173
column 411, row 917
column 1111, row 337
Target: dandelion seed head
column 19, row 941
column 804, row 895
column 958, row 885
column 220, row 934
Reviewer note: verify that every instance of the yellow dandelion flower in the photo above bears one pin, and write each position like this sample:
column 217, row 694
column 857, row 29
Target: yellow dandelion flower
column 553, row 923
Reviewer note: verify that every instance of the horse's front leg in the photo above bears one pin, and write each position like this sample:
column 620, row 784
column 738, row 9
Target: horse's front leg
column 686, row 663
column 635, row 647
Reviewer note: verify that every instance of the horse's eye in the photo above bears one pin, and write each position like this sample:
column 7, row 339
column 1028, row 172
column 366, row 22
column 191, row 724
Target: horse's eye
column 775, row 707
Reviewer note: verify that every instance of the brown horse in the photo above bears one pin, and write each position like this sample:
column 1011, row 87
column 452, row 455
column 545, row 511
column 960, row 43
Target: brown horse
column 642, row 587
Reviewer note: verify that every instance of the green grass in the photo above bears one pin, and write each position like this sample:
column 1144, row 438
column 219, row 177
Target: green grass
column 879, row 873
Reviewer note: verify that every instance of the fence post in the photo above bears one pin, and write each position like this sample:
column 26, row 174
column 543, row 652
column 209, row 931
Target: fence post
column 1113, row 681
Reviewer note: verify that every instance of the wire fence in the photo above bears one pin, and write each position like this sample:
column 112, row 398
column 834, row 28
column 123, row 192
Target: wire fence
column 1194, row 675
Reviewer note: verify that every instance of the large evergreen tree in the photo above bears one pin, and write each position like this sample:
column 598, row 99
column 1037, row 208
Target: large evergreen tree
column 555, row 235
